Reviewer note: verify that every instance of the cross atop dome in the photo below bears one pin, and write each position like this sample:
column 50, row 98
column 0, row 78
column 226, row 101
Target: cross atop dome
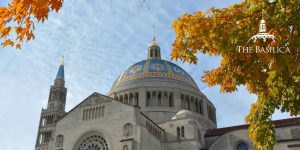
column 154, row 50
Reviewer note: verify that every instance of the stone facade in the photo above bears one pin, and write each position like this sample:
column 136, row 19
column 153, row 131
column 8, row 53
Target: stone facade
column 153, row 105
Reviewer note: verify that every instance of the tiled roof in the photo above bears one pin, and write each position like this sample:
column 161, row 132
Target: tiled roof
column 278, row 124
column 155, row 69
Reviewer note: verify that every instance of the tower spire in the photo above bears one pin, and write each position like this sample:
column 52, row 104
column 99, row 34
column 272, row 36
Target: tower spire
column 55, row 110
column 62, row 60
column 61, row 71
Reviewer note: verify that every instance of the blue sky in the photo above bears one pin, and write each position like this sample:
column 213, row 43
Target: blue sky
column 100, row 39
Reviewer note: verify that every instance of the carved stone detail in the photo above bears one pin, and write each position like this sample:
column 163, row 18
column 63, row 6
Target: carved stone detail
column 127, row 129
column 94, row 100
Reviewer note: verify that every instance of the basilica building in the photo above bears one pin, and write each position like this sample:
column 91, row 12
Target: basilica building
column 152, row 105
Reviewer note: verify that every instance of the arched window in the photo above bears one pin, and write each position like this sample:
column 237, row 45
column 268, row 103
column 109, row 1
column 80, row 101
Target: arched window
column 201, row 106
column 102, row 113
column 151, row 53
column 171, row 101
column 156, row 53
column 242, row 146
column 93, row 113
column 165, row 99
column 188, row 102
column 126, row 98
column 197, row 105
column 136, row 99
column 192, row 103
column 178, row 132
column 131, row 98
column 125, row 147
column 41, row 138
column 92, row 142
column 59, row 141
column 182, row 131
column 97, row 112
column 159, row 95
column 121, row 98
column 90, row 113
column 43, row 123
column 154, row 99
column 148, row 99
column 183, row 102
column 199, row 135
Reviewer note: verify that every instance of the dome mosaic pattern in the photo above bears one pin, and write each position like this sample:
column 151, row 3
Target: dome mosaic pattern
column 155, row 69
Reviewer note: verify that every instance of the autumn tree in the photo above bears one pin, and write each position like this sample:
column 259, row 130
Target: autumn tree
column 19, row 16
column 273, row 76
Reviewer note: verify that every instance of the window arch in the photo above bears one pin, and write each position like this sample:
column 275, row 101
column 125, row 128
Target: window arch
column 178, row 132
column 92, row 142
column 183, row 102
column 126, row 98
column 59, row 141
column 199, row 135
column 136, row 99
column 197, row 105
column 131, row 98
column 182, row 131
column 154, row 99
column 201, row 106
column 242, row 146
column 159, row 97
column 192, row 103
column 125, row 147
column 156, row 52
column 148, row 99
column 151, row 52
column 188, row 102
column 121, row 98
column 171, row 101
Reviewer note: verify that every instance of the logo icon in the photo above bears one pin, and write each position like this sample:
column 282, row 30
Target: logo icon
column 262, row 33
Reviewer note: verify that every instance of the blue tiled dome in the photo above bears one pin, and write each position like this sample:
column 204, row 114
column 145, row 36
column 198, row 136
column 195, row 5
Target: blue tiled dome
column 155, row 69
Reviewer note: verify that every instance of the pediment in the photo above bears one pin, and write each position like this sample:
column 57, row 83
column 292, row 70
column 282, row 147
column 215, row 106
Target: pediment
column 95, row 99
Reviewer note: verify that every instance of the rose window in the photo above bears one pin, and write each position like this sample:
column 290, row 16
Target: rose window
column 94, row 142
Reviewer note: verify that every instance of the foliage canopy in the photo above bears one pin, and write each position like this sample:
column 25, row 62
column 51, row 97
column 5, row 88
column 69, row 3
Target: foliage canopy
column 273, row 77
column 19, row 17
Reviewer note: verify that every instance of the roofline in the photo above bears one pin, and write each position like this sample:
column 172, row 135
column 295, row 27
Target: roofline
column 278, row 124
column 152, row 121
column 88, row 98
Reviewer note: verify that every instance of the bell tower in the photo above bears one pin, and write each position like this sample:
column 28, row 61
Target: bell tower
column 54, row 111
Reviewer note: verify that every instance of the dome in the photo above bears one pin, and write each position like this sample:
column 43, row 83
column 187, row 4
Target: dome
column 161, row 89
column 155, row 69
column 183, row 114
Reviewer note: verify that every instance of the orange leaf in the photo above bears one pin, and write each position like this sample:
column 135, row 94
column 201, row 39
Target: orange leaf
column 8, row 42
column 18, row 46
